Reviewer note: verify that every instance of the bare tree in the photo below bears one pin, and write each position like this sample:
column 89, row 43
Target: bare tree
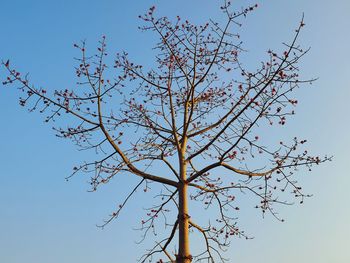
column 195, row 117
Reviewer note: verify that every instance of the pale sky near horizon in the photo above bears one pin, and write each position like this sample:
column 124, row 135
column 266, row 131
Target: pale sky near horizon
column 44, row 219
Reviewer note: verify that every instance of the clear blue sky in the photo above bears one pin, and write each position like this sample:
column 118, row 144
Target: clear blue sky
column 44, row 219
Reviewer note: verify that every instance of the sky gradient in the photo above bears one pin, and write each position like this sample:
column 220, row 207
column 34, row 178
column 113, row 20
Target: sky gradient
column 44, row 219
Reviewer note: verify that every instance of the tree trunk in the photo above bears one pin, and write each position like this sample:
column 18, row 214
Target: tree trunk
column 184, row 255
